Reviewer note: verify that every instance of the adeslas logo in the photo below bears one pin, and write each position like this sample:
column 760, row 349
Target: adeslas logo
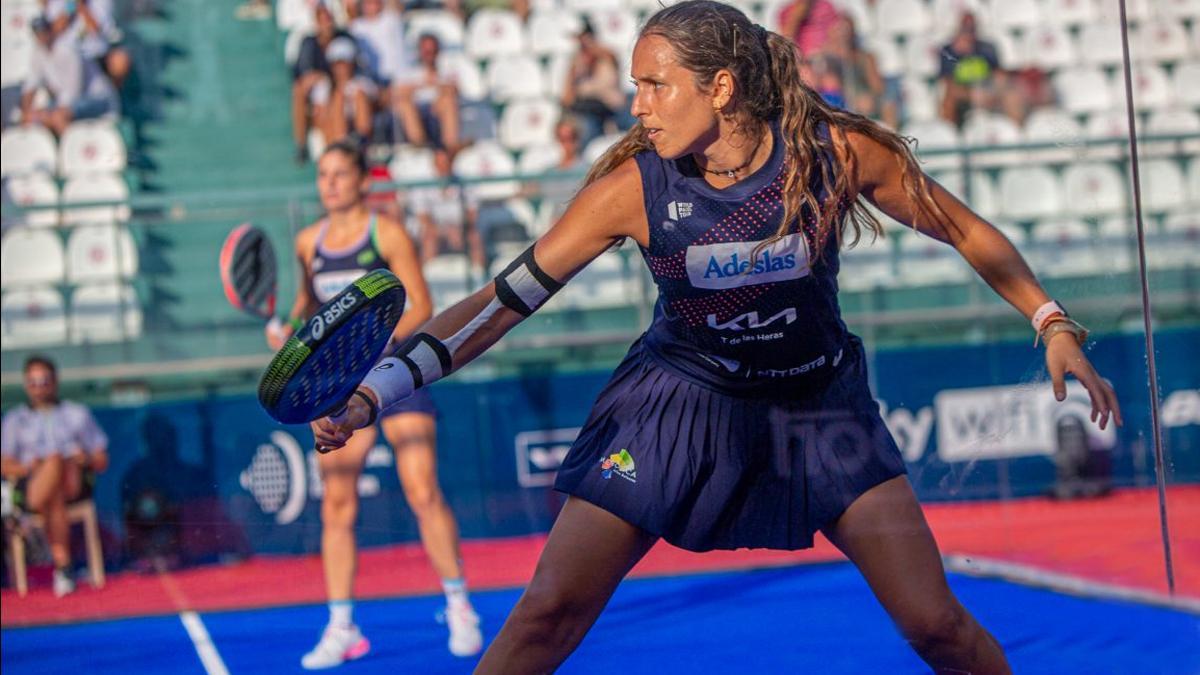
column 737, row 263
column 733, row 265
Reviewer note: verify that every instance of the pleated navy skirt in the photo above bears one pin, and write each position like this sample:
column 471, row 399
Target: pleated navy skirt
column 708, row 470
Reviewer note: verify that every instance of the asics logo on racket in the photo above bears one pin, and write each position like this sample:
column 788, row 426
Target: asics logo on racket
column 331, row 314
column 750, row 320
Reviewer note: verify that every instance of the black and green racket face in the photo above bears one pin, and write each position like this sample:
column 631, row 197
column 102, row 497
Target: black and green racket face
column 319, row 367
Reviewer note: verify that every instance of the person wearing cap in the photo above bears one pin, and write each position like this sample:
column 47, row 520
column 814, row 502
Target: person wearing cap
column 310, row 68
column 78, row 89
column 592, row 92
column 344, row 101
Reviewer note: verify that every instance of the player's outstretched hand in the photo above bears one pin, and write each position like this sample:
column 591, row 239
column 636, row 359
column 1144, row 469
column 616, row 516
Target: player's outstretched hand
column 1063, row 355
column 331, row 433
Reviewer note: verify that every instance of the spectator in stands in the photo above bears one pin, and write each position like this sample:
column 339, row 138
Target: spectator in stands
column 344, row 102
column 427, row 101
column 380, row 34
column 51, row 450
column 447, row 213
column 560, row 191
column 311, row 67
column 972, row 78
column 592, row 91
column 99, row 38
column 808, row 23
column 77, row 87
column 854, row 75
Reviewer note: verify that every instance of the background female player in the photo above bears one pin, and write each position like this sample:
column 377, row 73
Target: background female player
column 742, row 417
column 349, row 242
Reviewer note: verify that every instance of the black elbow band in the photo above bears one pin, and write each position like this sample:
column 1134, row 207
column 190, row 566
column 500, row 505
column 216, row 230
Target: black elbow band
column 523, row 286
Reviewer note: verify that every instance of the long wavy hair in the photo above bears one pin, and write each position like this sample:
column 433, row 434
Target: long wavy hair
column 710, row 36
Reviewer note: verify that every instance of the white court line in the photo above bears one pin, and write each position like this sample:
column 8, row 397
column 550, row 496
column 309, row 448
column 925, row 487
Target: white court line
column 209, row 656
column 1064, row 583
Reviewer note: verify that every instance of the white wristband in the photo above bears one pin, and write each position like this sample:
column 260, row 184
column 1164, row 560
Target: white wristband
column 1045, row 312
column 390, row 381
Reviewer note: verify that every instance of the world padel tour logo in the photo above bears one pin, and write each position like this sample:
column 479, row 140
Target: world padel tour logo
column 621, row 464
column 734, row 264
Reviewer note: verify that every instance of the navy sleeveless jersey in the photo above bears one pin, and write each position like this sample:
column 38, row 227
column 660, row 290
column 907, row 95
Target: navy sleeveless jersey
column 333, row 271
column 768, row 323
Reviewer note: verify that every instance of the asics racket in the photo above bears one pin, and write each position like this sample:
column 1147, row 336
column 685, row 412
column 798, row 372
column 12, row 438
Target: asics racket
column 248, row 271
column 319, row 367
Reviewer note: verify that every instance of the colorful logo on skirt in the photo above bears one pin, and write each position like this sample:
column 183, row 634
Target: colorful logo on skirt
column 620, row 463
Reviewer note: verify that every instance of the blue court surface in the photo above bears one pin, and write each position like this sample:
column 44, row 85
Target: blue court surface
column 816, row 619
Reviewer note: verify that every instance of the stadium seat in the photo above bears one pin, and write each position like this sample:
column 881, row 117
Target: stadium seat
column 1151, row 87
column 16, row 47
column 1028, row 193
column 411, row 163
column 493, row 32
column 920, row 99
column 27, row 149
column 1116, row 242
column 1180, row 240
column 1163, row 185
column 88, row 147
column 514, row 76
column 1047, row 46
column 1015, row 14
column 867, row 265
column 947, row 14
column 449, row 279
column 527, row 123
column 294, row 14
column 1064, row 249
column 598, row 145
column 100, row 253
column 1193, row 180
column 507, row 222
column 1160, row 40
column 603, row 283
column 982, row 198
column 1100, row 43
column 589, row 6
column 902, row 17
column 922, row 56
column 1185, row 82
column 1051, row 125
column 1109, row 124
column 445, row 25
column 617, row 28
column 553, row 32
column 33, row 190
column 925, row 261
column 1136, row 11
column 32, row 317
column 1069, row 12
column 30, row 257
column 466, row 75
column 934, row 137
column 1083, row 89
column 1094, row 189
column 860, row 12
column 1180, row 9
column 540, row 158
column 291, row 45
column 487, row 159
column 1173, row 121
column 104, row 312
column 985, row 129
column 888, row 57
column 96, row 188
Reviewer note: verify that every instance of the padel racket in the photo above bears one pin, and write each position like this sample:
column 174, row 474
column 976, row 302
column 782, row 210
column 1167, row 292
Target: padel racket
column 248, row 271
column 319, row 367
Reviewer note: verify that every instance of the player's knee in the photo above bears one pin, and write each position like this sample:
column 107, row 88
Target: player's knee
column 338, row 511
column 937, row 629
column 553, row 610
column 424, row 500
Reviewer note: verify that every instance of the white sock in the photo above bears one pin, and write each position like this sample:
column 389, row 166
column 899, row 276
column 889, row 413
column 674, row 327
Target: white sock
column 341, row 612
column 456, row 592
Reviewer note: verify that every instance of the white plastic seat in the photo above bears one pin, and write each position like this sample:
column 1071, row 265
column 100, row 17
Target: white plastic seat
column 902, row 17
column 1015, row 14
column 920, row 99
column 30, row 191
column 1051, row 125
column 90, row 147
column 1136, row 11
column 515, row 76
column 527, row 123
column 466, row 75
column 888, row 57
column 1173, row 121
column 1193, row 180
column 926, row 261
column 598, row 145
column 1163, row 186
column 492, row 32
column 603, row 283
column 587, row 6
column 984, row 129
column 487, row 159
column 869, row 264
column 1064, row 249
column 934, row 137
column 95, row 188
column 100, row 253
column 30, row 257
column 1093, row 189
column 1180, row 240
column 1151, row 88
column 1109, row 124
column 293, row 14
column 553, row 32
column 26, row 150
column 1116, row 242
column 1048, row 46
column 617, row 28
column 445, row 25
column 1185, row 82
column 540, row 158
column 1100, row 43
column 16, row 47
column 32, row 317
column 1180, row 9
column 1160, row 40
column 982, row 199
column 1068, row 12
column 412, row 163
column 1028, row 193
column 105, row 312
column 922, row 56
column 449, row 279
column 1083, row 90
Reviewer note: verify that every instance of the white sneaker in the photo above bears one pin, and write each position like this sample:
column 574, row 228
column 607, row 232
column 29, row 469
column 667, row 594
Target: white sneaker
column 338, row 644
column 465, row 637
column 63, row 584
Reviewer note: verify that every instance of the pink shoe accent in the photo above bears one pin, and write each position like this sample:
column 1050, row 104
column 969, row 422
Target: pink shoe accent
column 357, row 650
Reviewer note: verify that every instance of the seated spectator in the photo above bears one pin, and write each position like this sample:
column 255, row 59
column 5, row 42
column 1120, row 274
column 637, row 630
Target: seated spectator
column 427, row 102
column 853, row 76
column 50, row 449
column 447, row 213
column 592, row 92
column 77, row 87
column 973, row 79
column 808, row 23
column 344, row 102
column 560, row 191
column 100, row 39
column 310, row 68
column 380, row 34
